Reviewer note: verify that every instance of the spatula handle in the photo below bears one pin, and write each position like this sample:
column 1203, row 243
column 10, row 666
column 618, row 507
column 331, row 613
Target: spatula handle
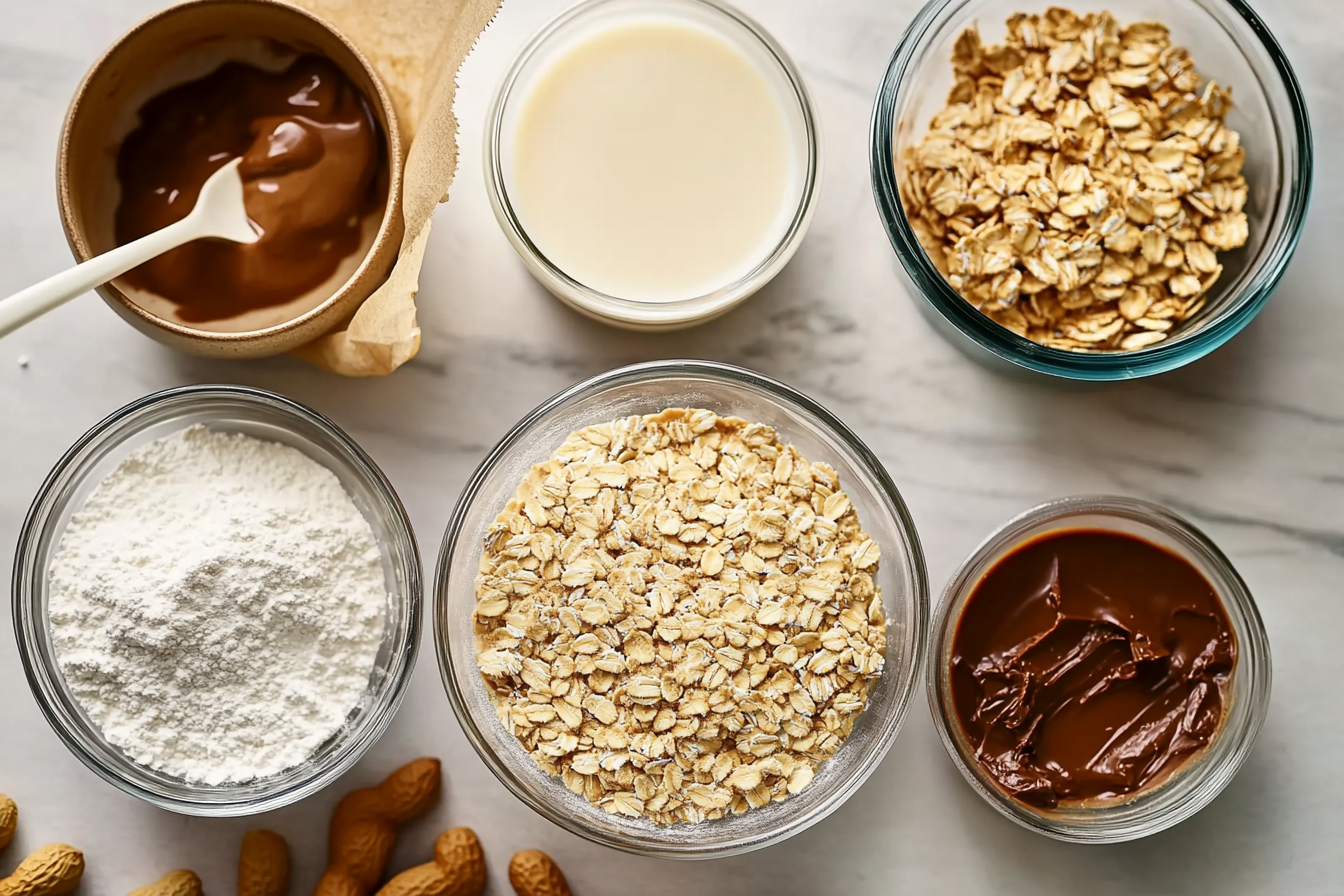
column 54, row 291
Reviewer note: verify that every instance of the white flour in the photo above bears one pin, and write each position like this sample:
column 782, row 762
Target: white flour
column 216, row 606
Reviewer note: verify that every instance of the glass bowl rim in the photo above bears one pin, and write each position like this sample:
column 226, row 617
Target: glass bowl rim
column 629, row 311
column 1254, row 668
column 933, row 289
column 56, row 488
column 913, row 562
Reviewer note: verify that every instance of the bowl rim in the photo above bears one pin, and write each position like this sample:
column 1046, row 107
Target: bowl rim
column 935, row 292
column 41, row 676
column 630, row 312
column 1204, row 774
column 392, row 212
column 915, row 567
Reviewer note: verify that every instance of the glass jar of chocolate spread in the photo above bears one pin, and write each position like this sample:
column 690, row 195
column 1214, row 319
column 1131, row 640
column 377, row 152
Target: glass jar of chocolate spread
column 1100, row 670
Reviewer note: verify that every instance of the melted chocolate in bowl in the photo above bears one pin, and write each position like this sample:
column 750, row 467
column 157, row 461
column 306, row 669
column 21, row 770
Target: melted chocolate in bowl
column 312, row 157
column 1089, row 664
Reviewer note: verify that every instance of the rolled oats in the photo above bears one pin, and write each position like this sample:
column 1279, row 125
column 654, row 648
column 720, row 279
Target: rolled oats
column 678, row 616
column 1080, row 174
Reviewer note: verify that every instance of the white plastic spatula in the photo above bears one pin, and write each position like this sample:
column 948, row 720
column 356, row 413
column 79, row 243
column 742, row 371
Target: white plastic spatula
column 219, row 212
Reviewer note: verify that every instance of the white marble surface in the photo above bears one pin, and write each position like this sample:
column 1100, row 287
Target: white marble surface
column 1248, row 443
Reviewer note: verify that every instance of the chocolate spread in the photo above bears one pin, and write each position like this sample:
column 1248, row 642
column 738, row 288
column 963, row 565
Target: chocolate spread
column 1087, row 664
column 312, row 153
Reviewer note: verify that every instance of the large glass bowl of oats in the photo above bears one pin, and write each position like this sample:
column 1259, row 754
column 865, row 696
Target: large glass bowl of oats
column 680, row 610
column 1097, row 192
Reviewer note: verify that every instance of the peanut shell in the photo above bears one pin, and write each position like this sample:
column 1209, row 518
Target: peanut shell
column 9, row 820
column 458, row 869
column 263, row 864
column 410, row 790
column 459, row 853
column 174, row 883
column 533, row 873
column 52, row 870
column 364, row 827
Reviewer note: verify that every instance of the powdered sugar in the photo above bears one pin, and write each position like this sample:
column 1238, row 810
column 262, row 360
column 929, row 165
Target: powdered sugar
column 216, row 606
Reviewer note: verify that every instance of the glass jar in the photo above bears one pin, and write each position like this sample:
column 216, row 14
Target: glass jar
column 1229, row 44
column 1200, row 778
column 263, row 415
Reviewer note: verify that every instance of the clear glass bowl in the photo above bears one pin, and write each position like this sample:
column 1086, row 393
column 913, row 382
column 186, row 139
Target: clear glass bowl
column 784, row 78
column 649, row 388
column 1194, row 784
column 264, row 415
column 1231, row 45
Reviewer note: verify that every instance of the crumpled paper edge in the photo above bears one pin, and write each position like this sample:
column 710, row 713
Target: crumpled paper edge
column 384, row 332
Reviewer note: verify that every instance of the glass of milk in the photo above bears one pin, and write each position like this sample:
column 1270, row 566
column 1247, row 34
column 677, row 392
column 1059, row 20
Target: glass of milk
column 654, row 162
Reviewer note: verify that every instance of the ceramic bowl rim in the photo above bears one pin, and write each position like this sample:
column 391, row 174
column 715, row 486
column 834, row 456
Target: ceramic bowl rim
column 387, row 226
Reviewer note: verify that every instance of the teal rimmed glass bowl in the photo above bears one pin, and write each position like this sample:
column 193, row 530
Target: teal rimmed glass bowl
column 1230, row 44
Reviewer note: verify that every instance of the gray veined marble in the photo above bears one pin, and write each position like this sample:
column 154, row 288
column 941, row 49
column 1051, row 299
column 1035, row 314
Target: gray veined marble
column 1248, row 443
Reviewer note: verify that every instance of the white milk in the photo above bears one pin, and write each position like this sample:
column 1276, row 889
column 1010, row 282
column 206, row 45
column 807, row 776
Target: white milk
column 653, row 161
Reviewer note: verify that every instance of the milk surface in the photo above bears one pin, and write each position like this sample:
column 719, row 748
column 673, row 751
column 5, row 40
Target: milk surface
column 652, row 160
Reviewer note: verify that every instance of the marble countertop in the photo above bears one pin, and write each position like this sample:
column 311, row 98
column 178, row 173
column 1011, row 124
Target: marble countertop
column 1249, row 444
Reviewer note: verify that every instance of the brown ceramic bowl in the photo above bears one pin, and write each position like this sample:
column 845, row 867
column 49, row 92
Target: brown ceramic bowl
column 179, row 44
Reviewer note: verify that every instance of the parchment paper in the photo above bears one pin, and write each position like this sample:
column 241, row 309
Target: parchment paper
column 417, row 46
